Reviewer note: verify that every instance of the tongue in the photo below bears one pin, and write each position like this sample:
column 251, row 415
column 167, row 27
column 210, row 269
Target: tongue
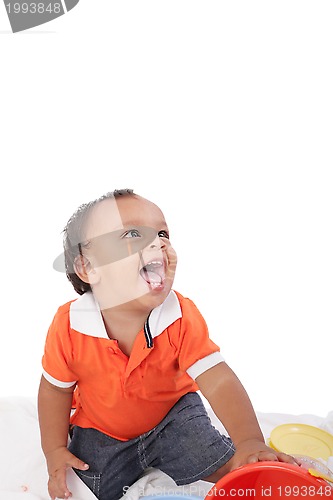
column 151, row 277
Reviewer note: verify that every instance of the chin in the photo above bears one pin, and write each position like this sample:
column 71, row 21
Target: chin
column 157, row 295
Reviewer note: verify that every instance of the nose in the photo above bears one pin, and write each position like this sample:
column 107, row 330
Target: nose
column 158, row 242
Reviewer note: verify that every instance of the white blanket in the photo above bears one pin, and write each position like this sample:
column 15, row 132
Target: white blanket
column 23, row 474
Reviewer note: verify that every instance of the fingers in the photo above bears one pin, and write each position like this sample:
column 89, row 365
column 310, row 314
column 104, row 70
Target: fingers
column 57, row 481
column 262, row 456
column 283, row 457
column 58, row 487
column 250, row 453
column 76, row 463
column 271, row 456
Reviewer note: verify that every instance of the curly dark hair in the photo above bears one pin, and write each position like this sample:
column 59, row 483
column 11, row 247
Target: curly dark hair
column 73, row 237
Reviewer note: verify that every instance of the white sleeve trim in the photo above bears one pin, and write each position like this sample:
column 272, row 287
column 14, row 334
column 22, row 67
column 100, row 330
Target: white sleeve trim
column 204, row 364
column 58, row 383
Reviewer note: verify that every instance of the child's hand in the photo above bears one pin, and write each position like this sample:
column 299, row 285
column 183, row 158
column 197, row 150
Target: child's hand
column 248, row 452
column 57, row 462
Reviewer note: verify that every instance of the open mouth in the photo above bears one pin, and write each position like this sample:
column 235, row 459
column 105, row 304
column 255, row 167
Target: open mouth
column 154, row 273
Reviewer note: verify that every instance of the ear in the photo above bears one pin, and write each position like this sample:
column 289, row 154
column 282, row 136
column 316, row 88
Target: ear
column 85, row 271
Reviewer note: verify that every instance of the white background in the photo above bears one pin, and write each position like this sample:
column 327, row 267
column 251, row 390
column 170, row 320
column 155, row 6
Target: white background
column 219, row 112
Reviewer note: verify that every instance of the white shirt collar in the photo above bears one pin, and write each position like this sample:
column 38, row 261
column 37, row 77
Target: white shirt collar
column 85, row 315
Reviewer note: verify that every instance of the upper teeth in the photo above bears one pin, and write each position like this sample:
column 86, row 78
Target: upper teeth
column 153, row 263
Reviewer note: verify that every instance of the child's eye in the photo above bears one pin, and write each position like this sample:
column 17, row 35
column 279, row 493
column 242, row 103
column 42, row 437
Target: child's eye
column 132, row 233
column 163, row 234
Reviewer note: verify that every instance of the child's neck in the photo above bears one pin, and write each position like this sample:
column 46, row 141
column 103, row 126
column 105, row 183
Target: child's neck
column 123, row 326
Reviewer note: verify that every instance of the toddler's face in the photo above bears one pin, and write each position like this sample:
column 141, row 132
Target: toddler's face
column 129, row 251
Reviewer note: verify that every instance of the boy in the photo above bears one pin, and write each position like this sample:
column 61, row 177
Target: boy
column 135, row 352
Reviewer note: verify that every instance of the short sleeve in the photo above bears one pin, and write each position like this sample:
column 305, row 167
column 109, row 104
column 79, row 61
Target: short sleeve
column 197, row 352
column 58, row 351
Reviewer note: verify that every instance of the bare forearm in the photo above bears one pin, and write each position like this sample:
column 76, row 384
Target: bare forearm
column 54, row 407
column 239, row 417
column 231, row 403
column 233, row 407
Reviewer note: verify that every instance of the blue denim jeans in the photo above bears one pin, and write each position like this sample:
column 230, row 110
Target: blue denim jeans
column 184, row 445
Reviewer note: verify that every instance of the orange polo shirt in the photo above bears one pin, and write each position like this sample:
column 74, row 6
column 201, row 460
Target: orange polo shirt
column 123, row 396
